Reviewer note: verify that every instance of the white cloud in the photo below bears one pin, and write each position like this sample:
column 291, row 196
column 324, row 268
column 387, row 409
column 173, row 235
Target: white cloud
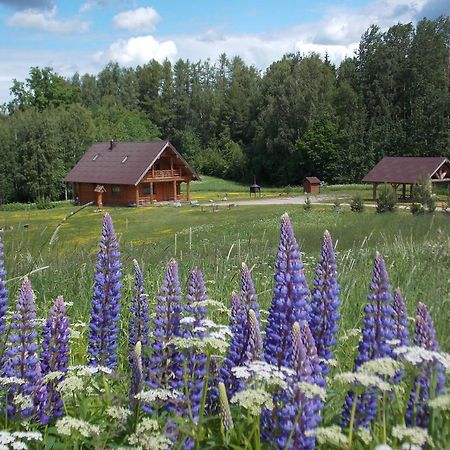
column 140, row 20
column 138, row 50
column 46, row 21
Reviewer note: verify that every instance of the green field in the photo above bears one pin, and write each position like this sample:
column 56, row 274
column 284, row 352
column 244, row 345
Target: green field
column 417, row 251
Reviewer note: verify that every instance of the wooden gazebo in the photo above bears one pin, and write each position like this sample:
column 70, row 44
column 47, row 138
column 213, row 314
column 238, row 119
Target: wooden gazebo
column 408, row 170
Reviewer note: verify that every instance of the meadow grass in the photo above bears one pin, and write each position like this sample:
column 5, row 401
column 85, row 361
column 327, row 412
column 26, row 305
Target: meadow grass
column 417, row 252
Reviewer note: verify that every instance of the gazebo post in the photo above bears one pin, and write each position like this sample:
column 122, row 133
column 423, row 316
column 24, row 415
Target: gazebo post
column 374, row 191
column 188, row 196
column 404, row 191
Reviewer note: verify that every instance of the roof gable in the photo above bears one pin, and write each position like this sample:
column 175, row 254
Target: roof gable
column 404, row 169
column 124, row 163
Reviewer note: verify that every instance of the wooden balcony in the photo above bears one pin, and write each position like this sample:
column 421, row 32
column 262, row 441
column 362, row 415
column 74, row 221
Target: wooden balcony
column 166, row 173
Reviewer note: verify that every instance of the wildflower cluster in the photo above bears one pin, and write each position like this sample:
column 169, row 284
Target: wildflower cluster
column 188, row 376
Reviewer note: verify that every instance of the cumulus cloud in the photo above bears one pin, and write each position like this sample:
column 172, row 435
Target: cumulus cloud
column 434, row 8
column 29, row 4
column 46, row 21
column 138, row 50
column 140, row 20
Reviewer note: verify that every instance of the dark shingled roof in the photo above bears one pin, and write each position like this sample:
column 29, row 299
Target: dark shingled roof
column 107, row 167
column 403, row 169
column 313, row 180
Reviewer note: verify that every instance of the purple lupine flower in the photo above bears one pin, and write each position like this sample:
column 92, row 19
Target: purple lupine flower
column 55, row 353
column 248, row 293
column 296, row 415
column 41, row 404
column 137, row 375
column 291, row 300
column 400, row 317
column 324, row 315
column 3, row 295
column 432, row 375
column 21, row 355
column 378, row 330
column 196, row 361
column 139, row 327
column 167, row 325
column 245, row 345
column 104, row 331
column 235, row 311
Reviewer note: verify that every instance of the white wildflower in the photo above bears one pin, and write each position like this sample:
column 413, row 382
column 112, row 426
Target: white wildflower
column 218, row 306
column 187, row 320
column 23, row 401
column 312, row 390
column 414, row 435
column 56, row 375
column 253, row 400
column 70, row 426
column 28, row 435
column 415, row 355
column 330, row 435
column 407, row 446
column 5, row 381
column 19, row 445
column 442, row 402
column 82, row 371
column 241, row 372
column 74, row 334
column 393, row 342
column 381, row 366
column 365, row 435
column 199, row 330
column 363, row 379
column 15, row 439
column 383, row 447
column 78, row 325
column 157, row 394
column 147, row 436
column 119, row 413
column 332, row 362
column 70, row 386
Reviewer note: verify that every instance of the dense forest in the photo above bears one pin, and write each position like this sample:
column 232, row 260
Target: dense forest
column 301, row 116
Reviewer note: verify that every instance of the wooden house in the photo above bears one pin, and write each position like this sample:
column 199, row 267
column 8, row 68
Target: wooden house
column 131, row 173
column 311, row 185
column 408, row 170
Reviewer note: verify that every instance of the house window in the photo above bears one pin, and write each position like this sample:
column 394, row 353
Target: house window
column 95, row 157
column 115, row 191
column 146, row 189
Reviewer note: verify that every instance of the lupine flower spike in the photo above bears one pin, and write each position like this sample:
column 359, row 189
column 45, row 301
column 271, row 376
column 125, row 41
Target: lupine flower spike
column 325, row 303
column 245, row 345
column 248, row 293
column 377, row 332
column 3, row 296
column 21, row 358
column 104, row 331
column 167, row 325
column 291, row 299
column 55, row 353
column 196, row 361
column 137, row 376
column 432, row 374
column 139, row 322
column 401, row 333
column 298, row 414
column 225, row 412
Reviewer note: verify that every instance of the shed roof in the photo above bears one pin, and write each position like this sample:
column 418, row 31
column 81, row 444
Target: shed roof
column 125, row 163
column 404, row 169
column 313, row 180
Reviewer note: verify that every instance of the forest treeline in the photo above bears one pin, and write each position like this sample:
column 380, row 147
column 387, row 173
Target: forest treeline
column 301, row 116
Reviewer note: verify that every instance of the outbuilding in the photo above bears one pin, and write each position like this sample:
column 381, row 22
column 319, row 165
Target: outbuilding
column 131, row 173
column 408, row 170
column 311, row 185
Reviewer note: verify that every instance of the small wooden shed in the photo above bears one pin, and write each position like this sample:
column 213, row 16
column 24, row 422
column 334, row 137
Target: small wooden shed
column 311, row 185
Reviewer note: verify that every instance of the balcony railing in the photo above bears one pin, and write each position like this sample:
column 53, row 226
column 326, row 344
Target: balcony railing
column 166, row 173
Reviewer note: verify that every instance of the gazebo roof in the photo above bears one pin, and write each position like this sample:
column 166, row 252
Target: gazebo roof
column 407, row 169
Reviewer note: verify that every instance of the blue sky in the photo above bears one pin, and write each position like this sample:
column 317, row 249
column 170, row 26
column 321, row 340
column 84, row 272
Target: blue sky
column 83, row 35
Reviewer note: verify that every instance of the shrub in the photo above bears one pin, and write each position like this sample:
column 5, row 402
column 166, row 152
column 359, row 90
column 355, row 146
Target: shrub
column 44, row 203
column 307, row 205
column 387, row 200
column 357, row 203
column 423, row 194
column 416, row 208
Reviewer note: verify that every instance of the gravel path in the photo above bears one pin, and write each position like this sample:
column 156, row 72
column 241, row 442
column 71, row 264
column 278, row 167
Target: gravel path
column 299, row 200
